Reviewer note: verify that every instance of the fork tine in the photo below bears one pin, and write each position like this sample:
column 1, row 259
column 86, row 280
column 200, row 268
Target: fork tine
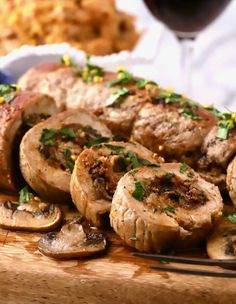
column 183, row 260
column 209, row 273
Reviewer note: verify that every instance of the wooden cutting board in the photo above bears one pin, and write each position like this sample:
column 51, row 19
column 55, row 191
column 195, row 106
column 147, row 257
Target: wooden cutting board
column 26, row 276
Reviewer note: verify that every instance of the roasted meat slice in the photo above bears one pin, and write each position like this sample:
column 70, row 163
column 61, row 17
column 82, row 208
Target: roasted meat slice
column 97, row 172
column 231, row 180
column 76, row 239
column 174, row 127
column 48, row 151
column 114, row 98
column 157, row 209
column 19, row 112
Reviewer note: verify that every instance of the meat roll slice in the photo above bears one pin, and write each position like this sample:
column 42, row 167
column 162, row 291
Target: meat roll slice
column 97, row 172
column 19, row 111
column 48, row 151
column 114, row 98
column 231, row 180
column 172, row 126
column 157, row 209
column 218, row 149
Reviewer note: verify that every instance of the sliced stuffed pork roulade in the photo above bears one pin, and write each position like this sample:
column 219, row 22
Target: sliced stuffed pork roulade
column 157, row 209
column 231, row 180
column 48, row 151
column 97, row 172
column 19, row 111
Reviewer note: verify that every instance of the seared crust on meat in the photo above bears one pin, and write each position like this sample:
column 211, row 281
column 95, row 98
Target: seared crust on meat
column 97, row 172
column 26, row 109
column 163, row 129
column 46, row 165
column 231, row 180
column 161, row 208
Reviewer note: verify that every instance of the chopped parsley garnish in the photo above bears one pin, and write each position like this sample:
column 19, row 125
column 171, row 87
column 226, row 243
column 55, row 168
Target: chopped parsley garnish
column 117, row 96
column 141, row 83
column 24, row 195
column 183, row 168
column 133, row 172
column 66, row 60
column 67, row 153
column 163, row 262
column 168, row 97
column 48, row 135
column 189, row 114
column 225, row 125
column 133, row 238
column 123, row 78
column 139, row 191
column 6, row 92
column 70, row 165
column 231, row 217
column 169, row 209
column 190, row 174
column 137, row 162
column 214, row 111
column 117, row 149
column 96, row 141
column 91, row 72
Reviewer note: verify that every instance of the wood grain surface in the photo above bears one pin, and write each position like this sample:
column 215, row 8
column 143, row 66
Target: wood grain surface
column 26, row 276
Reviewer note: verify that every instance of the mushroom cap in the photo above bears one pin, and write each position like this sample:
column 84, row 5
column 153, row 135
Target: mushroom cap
column 48, row 181
column 13, row 120
column 85, row 194
column 76, row 239
column 173, row 213
column 222, row 243
column 33, row 215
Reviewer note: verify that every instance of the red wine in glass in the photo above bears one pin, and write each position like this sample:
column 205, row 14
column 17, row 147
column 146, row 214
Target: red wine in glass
column 186, row 17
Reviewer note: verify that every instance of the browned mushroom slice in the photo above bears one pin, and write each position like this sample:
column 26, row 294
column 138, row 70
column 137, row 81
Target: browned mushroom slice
column 76, row 239
column 48, row 151
column 18, row 114
column 33, row 215
column 231, row 180
column 97, row 172
column 222, row 243
column 155, row 209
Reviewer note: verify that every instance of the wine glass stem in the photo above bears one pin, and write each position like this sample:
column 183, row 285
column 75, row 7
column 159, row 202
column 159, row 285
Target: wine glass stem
column 186, row 64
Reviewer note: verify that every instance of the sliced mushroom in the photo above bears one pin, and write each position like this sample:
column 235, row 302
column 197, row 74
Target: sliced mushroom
column 76, row 239
column 48, row 151
column 231, row 180
column 34, row 215
column 17, row 116
column 222, row 243
column 97, row 172
column 155, row 209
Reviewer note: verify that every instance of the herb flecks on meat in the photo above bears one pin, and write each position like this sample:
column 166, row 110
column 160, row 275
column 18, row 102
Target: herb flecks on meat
column 90, row 72
column 7, row 92
column 117, row 97
column 61, row 147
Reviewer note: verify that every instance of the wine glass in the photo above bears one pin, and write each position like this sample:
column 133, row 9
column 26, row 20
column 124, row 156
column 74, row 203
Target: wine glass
column 186, row 18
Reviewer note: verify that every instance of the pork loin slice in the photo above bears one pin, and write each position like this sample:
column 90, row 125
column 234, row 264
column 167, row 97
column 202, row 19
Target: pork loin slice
column 157, row 209
column 48, row 151
column 70, row 91
column 16, row 117
column 167, row 130
column 231, row 180
column 97, row 172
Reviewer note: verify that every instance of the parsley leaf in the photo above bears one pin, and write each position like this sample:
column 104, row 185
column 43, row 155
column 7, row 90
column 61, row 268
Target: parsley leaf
column 168, row 176
column 66, row 60
column 139, row 191
column 90, row 72
column 117, row 149
column 24, row 195
column 69, row 133
column 96, row 141
column 133, row 172
column 170, row 209
column 183, row 168
column 7, row 92
column 67, row 153
column 117, row 96
column 189, row 114
column 123, row 78
column 225, row 125
column 48, row 135
column 141, row 83
column 231, row 217
column 138, row 162
column 70, row 165
column 168, row 97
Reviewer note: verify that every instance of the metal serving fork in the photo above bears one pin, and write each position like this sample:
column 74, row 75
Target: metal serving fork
column 165, row 259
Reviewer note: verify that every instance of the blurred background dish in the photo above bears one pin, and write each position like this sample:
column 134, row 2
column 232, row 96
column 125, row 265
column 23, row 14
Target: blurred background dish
column 94, row 26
